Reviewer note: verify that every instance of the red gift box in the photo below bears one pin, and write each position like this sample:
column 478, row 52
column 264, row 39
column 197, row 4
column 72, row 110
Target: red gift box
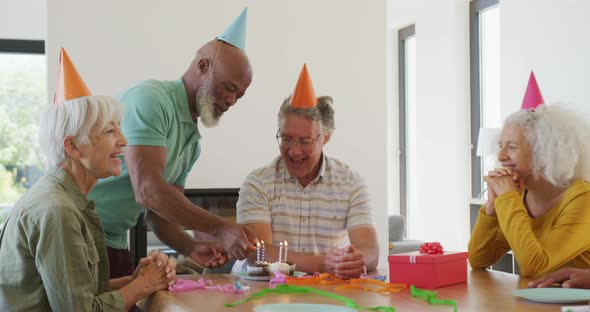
column 428, row 271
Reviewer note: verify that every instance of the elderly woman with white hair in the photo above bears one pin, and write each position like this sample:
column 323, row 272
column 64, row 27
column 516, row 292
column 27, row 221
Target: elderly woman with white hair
column 53, row 247
column 539, row 201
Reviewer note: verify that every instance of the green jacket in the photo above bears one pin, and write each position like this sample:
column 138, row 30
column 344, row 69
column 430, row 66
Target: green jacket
column 53, row 252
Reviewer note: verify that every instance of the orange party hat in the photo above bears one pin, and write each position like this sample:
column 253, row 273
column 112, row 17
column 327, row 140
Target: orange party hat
column 69, row 83
column 304, row 96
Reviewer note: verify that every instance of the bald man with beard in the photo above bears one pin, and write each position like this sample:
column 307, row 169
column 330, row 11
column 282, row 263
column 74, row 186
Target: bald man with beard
column 161, row 126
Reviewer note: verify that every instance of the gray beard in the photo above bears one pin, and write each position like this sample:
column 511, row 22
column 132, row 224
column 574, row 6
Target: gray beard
column 206, row 108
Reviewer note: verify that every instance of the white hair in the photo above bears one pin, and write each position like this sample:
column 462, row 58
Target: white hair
column 205, row 102
column 559, row 141
column 75, row 118
column 322, row 113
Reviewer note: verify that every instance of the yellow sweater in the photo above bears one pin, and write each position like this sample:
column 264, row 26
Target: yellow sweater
column 559, row 238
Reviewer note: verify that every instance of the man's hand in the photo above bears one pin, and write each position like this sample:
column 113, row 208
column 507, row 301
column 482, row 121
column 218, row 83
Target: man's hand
column 568, row 277
column 345, row 263
column 208, row 254
column 236, row 239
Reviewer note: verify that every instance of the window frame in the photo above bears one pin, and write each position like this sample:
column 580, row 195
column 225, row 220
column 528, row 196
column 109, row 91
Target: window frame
column 403, row 34
column 475, row 8
column 22, row 46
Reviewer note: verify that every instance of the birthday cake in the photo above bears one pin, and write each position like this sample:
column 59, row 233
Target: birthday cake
column 258, row 269
column 283, row 267
column 263, row 268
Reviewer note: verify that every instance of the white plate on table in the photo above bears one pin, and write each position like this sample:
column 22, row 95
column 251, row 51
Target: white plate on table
column 298, row 307
column 245, row 276
column 554, row 295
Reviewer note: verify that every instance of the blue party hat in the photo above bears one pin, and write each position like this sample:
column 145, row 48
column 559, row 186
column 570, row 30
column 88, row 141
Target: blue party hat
column 235, row 34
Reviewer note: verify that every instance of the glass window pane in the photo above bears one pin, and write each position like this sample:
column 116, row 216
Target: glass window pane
column 22, row 96
column 490, row 77
column 490, row 68
column 410, row 74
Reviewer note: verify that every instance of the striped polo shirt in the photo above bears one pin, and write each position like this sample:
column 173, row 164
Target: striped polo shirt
column 314, row 219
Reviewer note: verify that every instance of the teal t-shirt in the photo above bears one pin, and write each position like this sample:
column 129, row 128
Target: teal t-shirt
column 156, row 114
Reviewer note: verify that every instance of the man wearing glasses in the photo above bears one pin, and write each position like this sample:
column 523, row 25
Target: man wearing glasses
column 314, row 202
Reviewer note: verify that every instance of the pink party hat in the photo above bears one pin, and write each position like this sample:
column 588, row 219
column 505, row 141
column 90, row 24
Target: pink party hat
column 532, row 96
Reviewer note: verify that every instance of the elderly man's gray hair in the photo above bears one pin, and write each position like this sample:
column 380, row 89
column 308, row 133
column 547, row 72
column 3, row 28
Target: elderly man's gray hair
column 323, row 113
column 75, row 118
column 559, row 140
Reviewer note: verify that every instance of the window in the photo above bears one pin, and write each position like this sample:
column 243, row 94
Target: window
column 407, row 119
column 490, row 77
column 22, row 95
column 485, row 82
column 485, row 101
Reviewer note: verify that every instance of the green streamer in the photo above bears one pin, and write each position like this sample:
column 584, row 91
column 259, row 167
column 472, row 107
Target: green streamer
column 289, row 289
column 430, row 297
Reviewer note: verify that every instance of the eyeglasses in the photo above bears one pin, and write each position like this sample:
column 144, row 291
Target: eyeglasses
column 304, row 143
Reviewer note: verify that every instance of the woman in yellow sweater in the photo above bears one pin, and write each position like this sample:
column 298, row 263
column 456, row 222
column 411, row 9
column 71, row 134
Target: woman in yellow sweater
column 539, row 201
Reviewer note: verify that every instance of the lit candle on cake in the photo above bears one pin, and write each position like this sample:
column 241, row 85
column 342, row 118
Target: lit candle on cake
column 280, row 251
column 286, row 247
column 263, row 252
column 257, row 252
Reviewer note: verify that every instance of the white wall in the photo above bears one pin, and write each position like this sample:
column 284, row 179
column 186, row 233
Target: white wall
column 551, row 38
column 23, row 19
column 116, row 43
column 442, row 115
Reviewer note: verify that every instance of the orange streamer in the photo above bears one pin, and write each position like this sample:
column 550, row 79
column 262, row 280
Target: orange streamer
column 321, row 279
column 384, row 288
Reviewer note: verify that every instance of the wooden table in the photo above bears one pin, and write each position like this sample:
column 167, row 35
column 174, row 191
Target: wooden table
column 485, row 291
